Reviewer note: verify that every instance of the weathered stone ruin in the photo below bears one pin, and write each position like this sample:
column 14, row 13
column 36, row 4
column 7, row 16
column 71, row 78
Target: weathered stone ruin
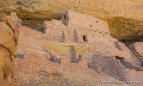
column 72, row 51
column 81, row 29
column 119, row 68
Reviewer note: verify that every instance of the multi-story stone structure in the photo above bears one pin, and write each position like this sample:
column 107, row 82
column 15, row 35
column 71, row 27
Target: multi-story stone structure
column 83, row 29
column 76, row 27
column 77, row 40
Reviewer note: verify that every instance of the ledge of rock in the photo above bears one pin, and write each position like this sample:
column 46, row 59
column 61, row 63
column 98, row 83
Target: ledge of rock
column 54, row 9
column 124, row 17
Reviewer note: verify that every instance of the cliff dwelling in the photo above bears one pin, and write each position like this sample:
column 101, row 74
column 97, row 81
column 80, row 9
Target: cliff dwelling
column 71, row 42
column 76, row 27
column 73, row 51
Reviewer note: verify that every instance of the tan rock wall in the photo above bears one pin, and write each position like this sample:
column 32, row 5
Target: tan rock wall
column 138, row 47
column 122, row 16
column 9, row 38
column 52, row 9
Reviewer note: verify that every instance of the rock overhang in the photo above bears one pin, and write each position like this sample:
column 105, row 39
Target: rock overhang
column 128, row 14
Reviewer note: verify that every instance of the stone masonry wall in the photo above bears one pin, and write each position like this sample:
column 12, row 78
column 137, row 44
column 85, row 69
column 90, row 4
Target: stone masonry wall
column 81, row 28
column 75, row 27
column 86, row 21
column 114, row 67
column 32, row 69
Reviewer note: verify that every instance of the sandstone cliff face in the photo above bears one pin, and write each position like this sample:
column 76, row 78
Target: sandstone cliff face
column 128, row 13
column 9, row 38
column 51, row 9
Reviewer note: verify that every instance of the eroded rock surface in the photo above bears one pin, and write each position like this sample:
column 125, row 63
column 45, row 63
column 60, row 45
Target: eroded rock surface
column 138, row 47
column 53, row 9
column 8, row 41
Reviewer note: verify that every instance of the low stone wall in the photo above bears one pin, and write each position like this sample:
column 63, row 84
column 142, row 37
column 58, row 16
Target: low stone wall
column 32, row 69
column 112, row 66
